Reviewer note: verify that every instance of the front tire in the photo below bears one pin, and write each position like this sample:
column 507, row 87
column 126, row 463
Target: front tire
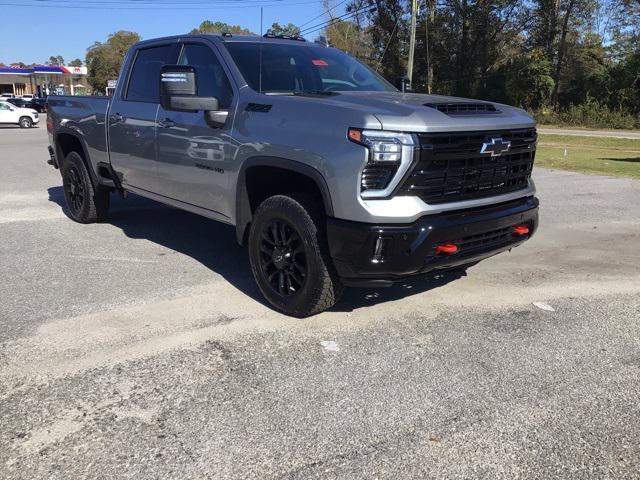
column 25, row 122
column 85, row 204
column 290, row 258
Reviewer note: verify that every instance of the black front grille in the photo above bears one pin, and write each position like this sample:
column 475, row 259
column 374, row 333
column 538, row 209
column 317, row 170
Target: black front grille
column 451, row 168
column 463, row 108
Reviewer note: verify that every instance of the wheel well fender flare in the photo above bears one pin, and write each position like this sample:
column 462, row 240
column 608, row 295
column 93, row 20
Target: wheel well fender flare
column 84, row 153
column 244, row 215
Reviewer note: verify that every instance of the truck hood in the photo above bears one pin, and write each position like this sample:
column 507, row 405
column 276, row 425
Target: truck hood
column 408, row 112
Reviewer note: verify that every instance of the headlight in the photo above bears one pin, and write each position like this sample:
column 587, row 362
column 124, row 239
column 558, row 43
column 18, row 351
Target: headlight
column 390, row 155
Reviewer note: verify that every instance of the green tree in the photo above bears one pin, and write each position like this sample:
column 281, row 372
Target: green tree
column 287, row 30
column 208, row 26
column 104, row 59
column 75, row 63
column 389, row 34
column 349, row 37
column 55, row 60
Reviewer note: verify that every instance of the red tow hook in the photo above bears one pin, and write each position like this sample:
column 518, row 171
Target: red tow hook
column 447, row 248
column 520, row 229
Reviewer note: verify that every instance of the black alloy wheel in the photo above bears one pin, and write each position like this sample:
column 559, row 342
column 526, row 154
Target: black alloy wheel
column 289, row 255
column 86, row 203
column 74, row 190
column 282, row 258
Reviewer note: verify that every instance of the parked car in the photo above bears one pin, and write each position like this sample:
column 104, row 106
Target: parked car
column 20, row 102
column 330, row 175
column 4, row 96
column 39, row 104
column 28, row 96
column 12, row 114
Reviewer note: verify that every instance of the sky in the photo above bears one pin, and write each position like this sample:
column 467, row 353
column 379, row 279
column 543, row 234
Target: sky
column 31, row 34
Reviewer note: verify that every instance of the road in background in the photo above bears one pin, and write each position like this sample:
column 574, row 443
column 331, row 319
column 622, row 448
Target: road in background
column 631, row 134
column 140, row 348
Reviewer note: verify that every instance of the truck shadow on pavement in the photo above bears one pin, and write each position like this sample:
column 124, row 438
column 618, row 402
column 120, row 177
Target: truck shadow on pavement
column 214, row 245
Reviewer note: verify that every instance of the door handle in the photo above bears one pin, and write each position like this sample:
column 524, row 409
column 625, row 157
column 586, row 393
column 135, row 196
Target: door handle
column 167, row 123
column 116, row 118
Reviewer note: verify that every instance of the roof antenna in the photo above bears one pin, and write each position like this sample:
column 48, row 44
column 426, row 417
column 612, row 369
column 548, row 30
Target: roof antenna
column 261, row 39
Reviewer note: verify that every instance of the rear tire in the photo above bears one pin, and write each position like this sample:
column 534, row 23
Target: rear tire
column 290, row 258
column 85, row 203
column 25, row 122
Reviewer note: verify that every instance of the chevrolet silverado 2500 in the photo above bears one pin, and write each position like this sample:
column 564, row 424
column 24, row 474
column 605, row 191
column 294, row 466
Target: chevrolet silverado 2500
column 330, row 175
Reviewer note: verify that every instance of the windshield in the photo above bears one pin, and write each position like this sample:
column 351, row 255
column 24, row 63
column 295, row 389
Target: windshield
column 303, row 68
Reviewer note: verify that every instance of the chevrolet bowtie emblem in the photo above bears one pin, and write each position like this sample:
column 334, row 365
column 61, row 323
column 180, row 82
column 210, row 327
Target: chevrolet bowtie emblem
column 496, row 147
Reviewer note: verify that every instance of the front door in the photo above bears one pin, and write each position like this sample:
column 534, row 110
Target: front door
column 132, row 116
column 193, row 157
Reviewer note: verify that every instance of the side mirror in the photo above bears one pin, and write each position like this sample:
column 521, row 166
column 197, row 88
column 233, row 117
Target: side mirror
column 179, row 92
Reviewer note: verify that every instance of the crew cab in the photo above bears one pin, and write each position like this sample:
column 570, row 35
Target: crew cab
column 330, row 175
column 14, row 114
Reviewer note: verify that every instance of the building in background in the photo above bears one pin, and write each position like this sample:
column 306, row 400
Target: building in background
column 43, row 80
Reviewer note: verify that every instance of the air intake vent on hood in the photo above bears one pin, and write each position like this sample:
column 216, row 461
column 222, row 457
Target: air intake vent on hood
column 463, row 108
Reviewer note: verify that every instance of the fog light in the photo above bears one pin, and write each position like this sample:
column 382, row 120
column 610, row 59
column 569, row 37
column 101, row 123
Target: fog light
column 381, row 248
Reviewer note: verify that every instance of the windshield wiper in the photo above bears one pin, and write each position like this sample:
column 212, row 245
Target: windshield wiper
column 325, row 93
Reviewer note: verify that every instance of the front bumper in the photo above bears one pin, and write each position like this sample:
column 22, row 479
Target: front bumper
column 411, row 249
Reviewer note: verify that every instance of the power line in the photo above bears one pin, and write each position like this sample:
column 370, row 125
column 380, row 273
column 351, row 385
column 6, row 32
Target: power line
column 103, row 6
column 326, row 11
column 328, row 24
column 148, row 2
column 388, row 43
column 333, row 21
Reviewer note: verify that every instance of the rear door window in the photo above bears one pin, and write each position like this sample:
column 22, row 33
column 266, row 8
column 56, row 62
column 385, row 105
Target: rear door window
column 144, row 80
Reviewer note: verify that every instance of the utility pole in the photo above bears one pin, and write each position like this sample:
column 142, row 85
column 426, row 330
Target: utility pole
column 429, row 17
column 412, row 42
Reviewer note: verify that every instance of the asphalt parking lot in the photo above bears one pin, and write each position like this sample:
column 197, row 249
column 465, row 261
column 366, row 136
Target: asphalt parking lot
column 140, row 348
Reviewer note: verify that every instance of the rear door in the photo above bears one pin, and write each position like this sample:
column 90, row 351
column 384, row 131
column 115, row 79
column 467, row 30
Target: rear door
column 132, row 117
column 193, row 157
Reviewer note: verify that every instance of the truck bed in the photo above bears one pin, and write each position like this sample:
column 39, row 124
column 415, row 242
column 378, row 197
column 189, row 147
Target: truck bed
column 83, row 116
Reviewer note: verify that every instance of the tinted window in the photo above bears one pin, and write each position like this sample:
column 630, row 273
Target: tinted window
column 210, row 77
column 144, row 82
column 299, row 68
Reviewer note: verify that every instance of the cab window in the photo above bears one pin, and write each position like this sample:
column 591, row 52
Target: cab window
column 211, row 79
column 144, row 81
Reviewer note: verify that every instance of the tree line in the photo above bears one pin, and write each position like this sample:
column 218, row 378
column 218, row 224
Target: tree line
column 569, row 61
column 103, row 59
column 54, row 60
column 553, row 57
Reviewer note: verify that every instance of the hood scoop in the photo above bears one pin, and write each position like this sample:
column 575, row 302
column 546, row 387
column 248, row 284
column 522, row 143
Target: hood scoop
column 464, row 108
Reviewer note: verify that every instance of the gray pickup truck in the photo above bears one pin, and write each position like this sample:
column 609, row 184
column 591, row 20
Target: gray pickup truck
column 330, row 175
